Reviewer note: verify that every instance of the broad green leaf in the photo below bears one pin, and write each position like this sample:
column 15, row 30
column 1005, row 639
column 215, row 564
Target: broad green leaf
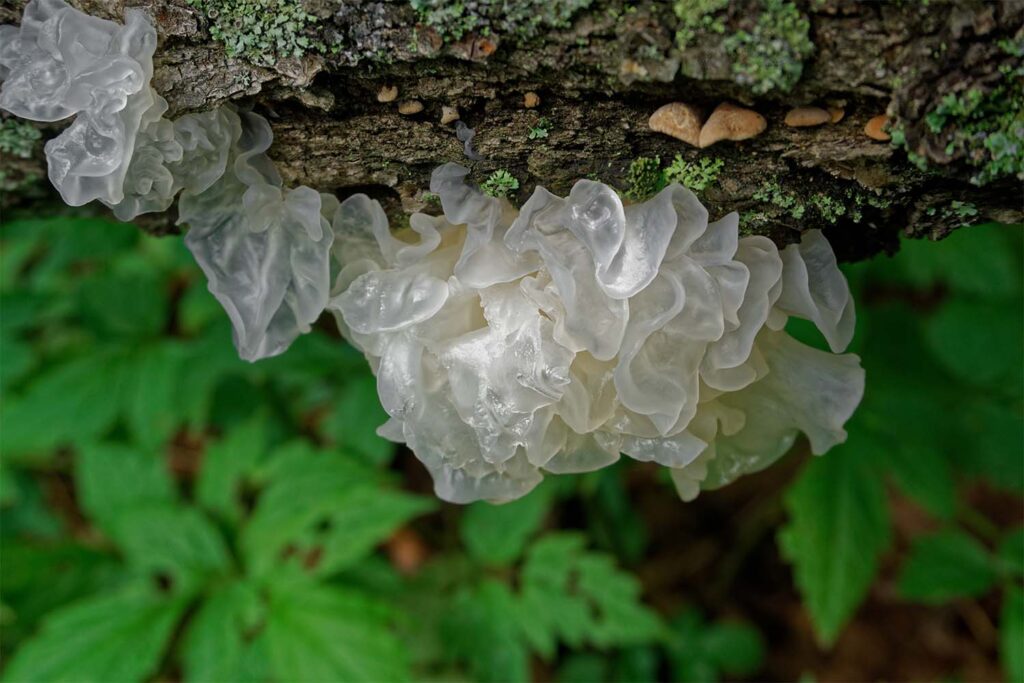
column 121, row 306
column 226, row 466
column 319, row 633
column 354, row 419
column 976, row 260
column 322, row 513
column 946, row 565
column 217, row 644
column 497, row 534
column 583, row 667
column 838, row 526
column 736, row 649
column 980, row 341
column 149, row 394
column 40, row 577
column 1011, row 552
column 637, row 664
column 18, row 360
column 578, row 597
column 483, row 629
column 173, row 542
column 612, row 519
column 700, row 651
column 72, row 403
column 117, row 637
column 1011, row 634
column 112, row 478
column 992, row 432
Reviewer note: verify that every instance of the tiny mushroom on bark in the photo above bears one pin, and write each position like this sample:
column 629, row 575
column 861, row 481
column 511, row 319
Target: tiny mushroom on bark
column 731, row 122
column 804, row 117
column 387, row 93
column 836, row 114
column 875, row 128
column 531, row 100
column 410, row 107
column 679, row 120
column 449, row 114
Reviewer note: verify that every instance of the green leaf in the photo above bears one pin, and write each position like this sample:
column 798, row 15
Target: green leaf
column 1011, row 634
column 497, row 534
column 119, row 637
column 71, row 403
column 227, row 464
column 736, row 649
column 946, row 565
column 149, row 394
column 319, row 633
column 111, row 479
column 580, row 597
column 122, row 306
column 171, row 541
column 483, row 628
column 354, row 419
column 1011, row 551
column 689, row 660
column 838, row 526
column 217, row 646
column 322, row 513
column 979, row 341
column 976, row 260
column 583, row 667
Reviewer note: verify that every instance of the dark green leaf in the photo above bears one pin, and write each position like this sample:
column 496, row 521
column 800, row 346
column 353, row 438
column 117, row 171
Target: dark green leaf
column 736, row 649
column 171, row 541
column 975, row 260
column 1011, row 551
column 583, row 667
column 483, row 628
column 149, row 394
column 122, row 306
column 118, row 637
column 980, row 341
column 838, row 526
column 111, row 478
column 322, row 513
column 226, row 466
column 947, row 565
column 218, row 646
column 1011, row 634
column 318, row 633
column 73, row 402
column 579, row 597
column 497, row 534
column 353, row 423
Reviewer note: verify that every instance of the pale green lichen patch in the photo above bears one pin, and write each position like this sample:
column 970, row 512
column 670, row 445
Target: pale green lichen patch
column 18, row 138
column 261, row 31
column 501, row 184
column 829, row 208
column 645, row 176
column 521, row 20
column 771, row 55
column 697, row 16
column 986, row 128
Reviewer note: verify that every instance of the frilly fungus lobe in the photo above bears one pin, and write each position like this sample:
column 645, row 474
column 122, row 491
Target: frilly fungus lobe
column 506, row 342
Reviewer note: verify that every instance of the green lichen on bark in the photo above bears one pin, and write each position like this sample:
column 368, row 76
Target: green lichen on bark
column 521, row 21
column 770, row 56
column 261, row 31
column 18, row 138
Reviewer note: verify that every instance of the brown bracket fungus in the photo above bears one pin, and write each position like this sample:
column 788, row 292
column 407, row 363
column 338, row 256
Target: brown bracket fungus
column 731, row 122
column 805, row 117
column 679, row 120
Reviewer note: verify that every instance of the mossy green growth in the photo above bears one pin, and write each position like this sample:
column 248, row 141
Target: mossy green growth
column 829, row 208
column 644, row 178
column 18, row 138
column 501, row 184
column 986, row 128
column 698, row 16
column 541, row 130
column 261, row 31
column 771, row 56
column 520, row 20
column 697, row 176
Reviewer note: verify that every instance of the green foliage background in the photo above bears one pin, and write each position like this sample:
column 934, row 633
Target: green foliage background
column 173, row 513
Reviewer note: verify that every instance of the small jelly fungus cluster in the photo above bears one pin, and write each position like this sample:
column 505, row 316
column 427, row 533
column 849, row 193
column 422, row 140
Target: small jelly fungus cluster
column 505, row 342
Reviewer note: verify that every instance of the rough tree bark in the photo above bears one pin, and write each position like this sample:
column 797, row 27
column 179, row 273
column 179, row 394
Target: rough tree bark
column 599, row 76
